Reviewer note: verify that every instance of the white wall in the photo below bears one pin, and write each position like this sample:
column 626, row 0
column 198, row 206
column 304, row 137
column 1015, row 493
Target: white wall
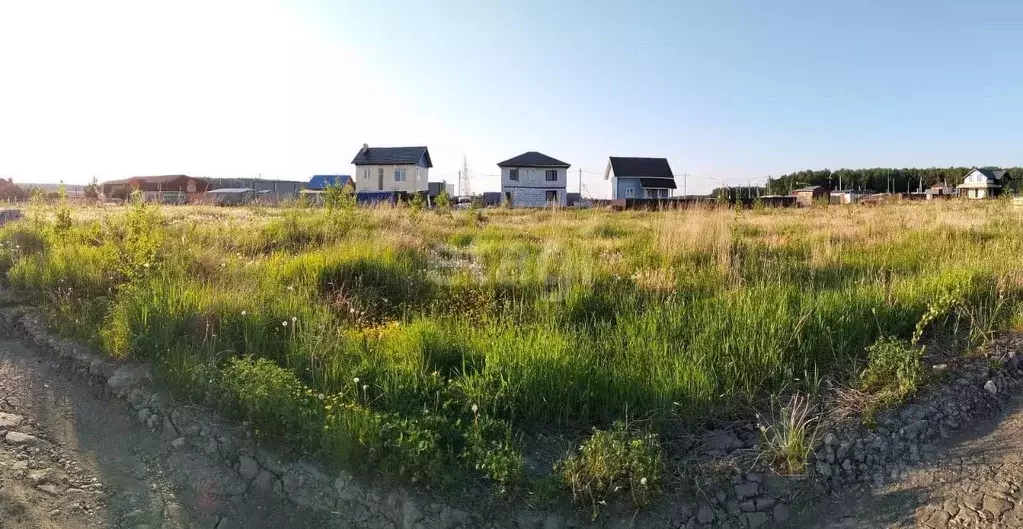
column 416, row 178
column 976, row 176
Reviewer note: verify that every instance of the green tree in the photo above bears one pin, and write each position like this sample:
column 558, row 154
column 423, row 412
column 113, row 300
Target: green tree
column 443, row 202
column 91, row 191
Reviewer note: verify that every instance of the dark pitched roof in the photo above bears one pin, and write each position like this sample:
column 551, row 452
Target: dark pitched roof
column 648, row 167
column 807, row 189
column 992, row 173
column 322, row 181
column 392, row 155
column 533, row 159
column 150, row 179
column 659, row 183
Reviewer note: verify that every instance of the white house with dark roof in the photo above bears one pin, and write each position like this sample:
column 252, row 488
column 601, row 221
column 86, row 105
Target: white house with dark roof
column 534, row 180
column 392, row 169
column 983, row 182
column 640, row 177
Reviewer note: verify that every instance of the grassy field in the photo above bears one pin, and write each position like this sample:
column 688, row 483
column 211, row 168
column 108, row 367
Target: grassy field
column 424, row 343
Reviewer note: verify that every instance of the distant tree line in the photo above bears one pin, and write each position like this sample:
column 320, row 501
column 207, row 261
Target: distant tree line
column 731, row 194
column 878, row 179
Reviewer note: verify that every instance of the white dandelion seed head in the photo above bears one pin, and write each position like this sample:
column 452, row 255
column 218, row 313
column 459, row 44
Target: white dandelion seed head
column 320, row 396
column 642, row 481
column 244, row 313
column 284, row 324
column 356, row 380
column 294, row 319
column 365, row 387
column 291, row 287
column 475, row 408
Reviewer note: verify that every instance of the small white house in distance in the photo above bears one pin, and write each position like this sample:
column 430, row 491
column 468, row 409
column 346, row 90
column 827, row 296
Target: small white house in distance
column 392, row 169
column 985, row 182
column 534, row 180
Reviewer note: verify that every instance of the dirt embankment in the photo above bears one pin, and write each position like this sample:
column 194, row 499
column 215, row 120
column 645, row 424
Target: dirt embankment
column 69, row 459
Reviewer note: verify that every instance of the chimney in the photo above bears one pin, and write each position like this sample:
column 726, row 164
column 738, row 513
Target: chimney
column 365, row 147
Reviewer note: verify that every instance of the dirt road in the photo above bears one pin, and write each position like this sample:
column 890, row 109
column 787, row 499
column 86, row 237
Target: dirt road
column 71, row 460
column 975, row 480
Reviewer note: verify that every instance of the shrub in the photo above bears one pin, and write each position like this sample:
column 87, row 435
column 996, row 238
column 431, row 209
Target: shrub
column 342, row 208
column 443, row 202
column 415, row 447
column 133, row 245
column 272, row 398
column 893, row 373
column 489, row 449
column 415, row 204
column 892, row 365
column 619, row 460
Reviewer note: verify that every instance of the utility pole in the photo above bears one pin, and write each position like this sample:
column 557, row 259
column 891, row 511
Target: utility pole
column 463, row 179
column 580, row 183
column 685, row 178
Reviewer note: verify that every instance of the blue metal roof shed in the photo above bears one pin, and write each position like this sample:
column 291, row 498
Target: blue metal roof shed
column 323, row 181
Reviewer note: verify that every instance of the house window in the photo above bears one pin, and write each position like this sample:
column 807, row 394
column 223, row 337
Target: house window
column 630, row 192
column 399, row 174
column 513, row 174
column 552, row 196
column 380, row 178
column 552, row 175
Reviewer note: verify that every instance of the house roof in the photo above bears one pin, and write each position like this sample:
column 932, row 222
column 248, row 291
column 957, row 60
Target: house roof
column 658, row 183
column 807, row 189
column 229, row 191
column 533, row 159
column 392, row 156
column 323, row 181
column 992, row 173
column 151, row 179
column 641, row 167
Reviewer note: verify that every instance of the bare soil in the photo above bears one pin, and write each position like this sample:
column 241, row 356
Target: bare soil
column 88, row 464
column 974, row 480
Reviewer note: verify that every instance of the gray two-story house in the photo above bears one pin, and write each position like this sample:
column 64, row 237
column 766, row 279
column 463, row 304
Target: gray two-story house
column 534, row 180
column 640, row 177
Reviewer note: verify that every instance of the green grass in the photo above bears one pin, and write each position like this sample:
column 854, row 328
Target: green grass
column 389, row 336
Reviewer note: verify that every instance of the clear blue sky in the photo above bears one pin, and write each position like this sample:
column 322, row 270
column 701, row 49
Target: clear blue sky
column 726, row 90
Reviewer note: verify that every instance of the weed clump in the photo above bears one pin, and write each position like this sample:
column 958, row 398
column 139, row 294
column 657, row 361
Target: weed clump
column 489, row 449
column 893, row 372
column 790, row 435
column 615, row 462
